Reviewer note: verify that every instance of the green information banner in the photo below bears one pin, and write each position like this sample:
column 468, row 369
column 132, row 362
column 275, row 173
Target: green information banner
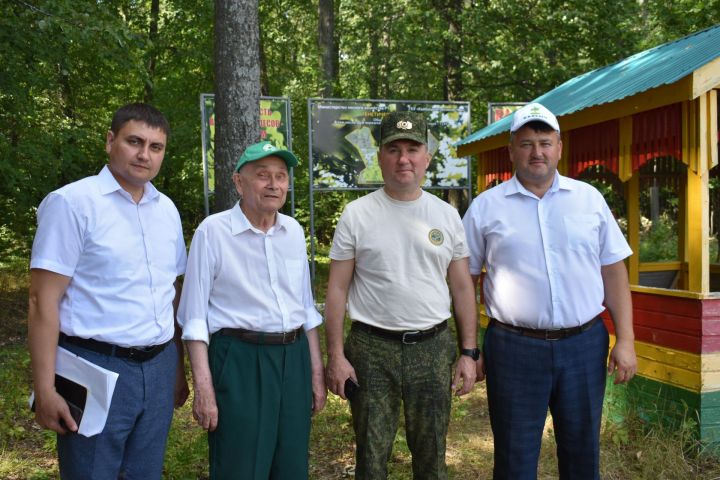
column 344, row 141
column 275, row 127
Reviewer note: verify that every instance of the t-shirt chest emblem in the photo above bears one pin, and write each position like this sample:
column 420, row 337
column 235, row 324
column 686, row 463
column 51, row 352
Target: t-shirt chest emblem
column 436, row 237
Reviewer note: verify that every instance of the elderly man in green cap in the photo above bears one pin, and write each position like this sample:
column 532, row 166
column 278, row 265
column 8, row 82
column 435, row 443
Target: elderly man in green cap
column 392, row 252
column 249, row 323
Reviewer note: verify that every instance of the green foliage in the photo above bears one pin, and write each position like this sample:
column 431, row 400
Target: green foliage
column 69, row 65
column 659, row 240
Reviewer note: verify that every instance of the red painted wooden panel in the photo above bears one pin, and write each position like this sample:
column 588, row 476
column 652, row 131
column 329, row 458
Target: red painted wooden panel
column 657, row 133
column 686, row 307
column 711, row 344
column 593, row 145
column 497, row 166
column 711, row 308
column 669, row 339
column 665, row 321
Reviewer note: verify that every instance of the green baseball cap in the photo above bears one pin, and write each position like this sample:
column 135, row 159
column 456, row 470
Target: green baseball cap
column 403, row 125
column 265, row 149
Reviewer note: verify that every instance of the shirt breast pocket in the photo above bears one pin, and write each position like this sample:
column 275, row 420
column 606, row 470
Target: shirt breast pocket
column 582, row 232
column 295, row 270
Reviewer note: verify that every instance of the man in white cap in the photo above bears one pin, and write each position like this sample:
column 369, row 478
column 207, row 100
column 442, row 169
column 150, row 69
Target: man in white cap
column 554, row 255
column 250, row 327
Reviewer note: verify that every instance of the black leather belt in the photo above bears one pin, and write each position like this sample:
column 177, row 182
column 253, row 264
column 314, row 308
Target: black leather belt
column 408, row 337
column 139, row 354
column 266, row 338
column 556, row 334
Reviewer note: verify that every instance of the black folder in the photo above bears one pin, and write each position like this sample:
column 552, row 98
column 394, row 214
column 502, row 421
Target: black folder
column 74, row 394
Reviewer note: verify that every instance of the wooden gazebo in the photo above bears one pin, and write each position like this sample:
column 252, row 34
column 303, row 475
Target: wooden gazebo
column 647, row 122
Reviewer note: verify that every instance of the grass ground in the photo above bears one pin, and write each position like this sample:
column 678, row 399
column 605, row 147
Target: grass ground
column 630, row 450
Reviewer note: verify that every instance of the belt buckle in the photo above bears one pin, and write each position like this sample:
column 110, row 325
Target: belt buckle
column 552, row 339
column 407, row 342
column 288, row 337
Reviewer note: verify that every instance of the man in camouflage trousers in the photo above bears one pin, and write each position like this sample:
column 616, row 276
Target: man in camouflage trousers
column 391, row 254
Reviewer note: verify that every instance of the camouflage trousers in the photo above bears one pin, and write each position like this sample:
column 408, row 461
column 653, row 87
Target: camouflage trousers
column 391, row 373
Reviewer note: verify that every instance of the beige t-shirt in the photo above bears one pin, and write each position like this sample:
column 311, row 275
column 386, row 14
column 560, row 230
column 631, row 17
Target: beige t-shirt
column 402, row 251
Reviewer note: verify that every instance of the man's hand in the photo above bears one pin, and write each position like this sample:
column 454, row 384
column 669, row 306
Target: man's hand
column 319, row 392
column 480, row 368
column 465, row 371
column 182, row 391
column 205, row 409
column 52, row 411
column 337, row 372
column 623, row 359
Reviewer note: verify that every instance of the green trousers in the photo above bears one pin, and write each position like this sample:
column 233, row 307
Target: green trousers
column 390, row 373
column 264, row 398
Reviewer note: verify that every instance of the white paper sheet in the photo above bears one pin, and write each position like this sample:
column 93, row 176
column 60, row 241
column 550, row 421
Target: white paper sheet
column 100, row 384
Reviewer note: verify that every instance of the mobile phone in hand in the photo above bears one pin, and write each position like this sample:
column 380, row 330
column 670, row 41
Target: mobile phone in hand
column 350, row 388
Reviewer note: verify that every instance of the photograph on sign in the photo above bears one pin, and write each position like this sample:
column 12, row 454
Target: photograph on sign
column 344, row 141
column 274, row 127
column 500, row 110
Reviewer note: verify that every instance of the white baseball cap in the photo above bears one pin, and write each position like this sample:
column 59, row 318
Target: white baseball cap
column 533, row 112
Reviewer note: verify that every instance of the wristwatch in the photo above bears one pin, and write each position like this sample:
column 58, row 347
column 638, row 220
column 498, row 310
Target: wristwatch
column 473, row 353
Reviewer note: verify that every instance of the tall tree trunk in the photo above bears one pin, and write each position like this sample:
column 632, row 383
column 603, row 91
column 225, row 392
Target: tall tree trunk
column 152, row 52
column 380, row 58
column 264, row 79
column 237, row 90
column 451, row 11
column 374, row 61
column 328, row 47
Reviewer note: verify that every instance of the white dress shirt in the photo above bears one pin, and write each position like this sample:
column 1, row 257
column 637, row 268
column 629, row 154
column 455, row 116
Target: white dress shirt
column 543, row 255
column 123, row 258
column 240, row 277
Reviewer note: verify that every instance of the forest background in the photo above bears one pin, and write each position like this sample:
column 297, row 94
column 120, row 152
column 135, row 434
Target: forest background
column 68, row 65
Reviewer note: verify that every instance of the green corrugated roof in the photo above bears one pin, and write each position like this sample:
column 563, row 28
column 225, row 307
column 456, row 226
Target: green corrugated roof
column 652, row 68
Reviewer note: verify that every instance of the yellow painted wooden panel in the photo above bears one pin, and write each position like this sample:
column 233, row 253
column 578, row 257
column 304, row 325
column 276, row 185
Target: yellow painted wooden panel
column 625, row 147
column 685, row 129
column 697, row 230
column 674, row 367
column 677, row 358
column 712, row 127
column 660, row 266
column 700, row 373
column 706, row 78
column 703, row 135
column 710, row 382
column 565, row 156
column 632, row 196
column 710, row 362
column 669, row 374
column 672, row 293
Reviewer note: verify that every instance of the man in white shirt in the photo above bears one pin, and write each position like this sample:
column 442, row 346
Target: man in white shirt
column 553, row 254
column 394, row 252
column 247, row 294
column 105, row 261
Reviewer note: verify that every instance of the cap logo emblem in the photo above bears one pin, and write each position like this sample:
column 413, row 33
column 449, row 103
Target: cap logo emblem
column 535, row 110
column 404, row 125
column 269, row 148
column 436, row 237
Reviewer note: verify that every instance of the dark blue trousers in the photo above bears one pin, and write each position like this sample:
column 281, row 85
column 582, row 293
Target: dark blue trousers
column 132, row 445
column 525, row 377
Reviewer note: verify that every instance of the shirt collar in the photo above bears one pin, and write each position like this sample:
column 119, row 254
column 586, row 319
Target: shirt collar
column 239, row 223
column 559, row 183
column 108, row 184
